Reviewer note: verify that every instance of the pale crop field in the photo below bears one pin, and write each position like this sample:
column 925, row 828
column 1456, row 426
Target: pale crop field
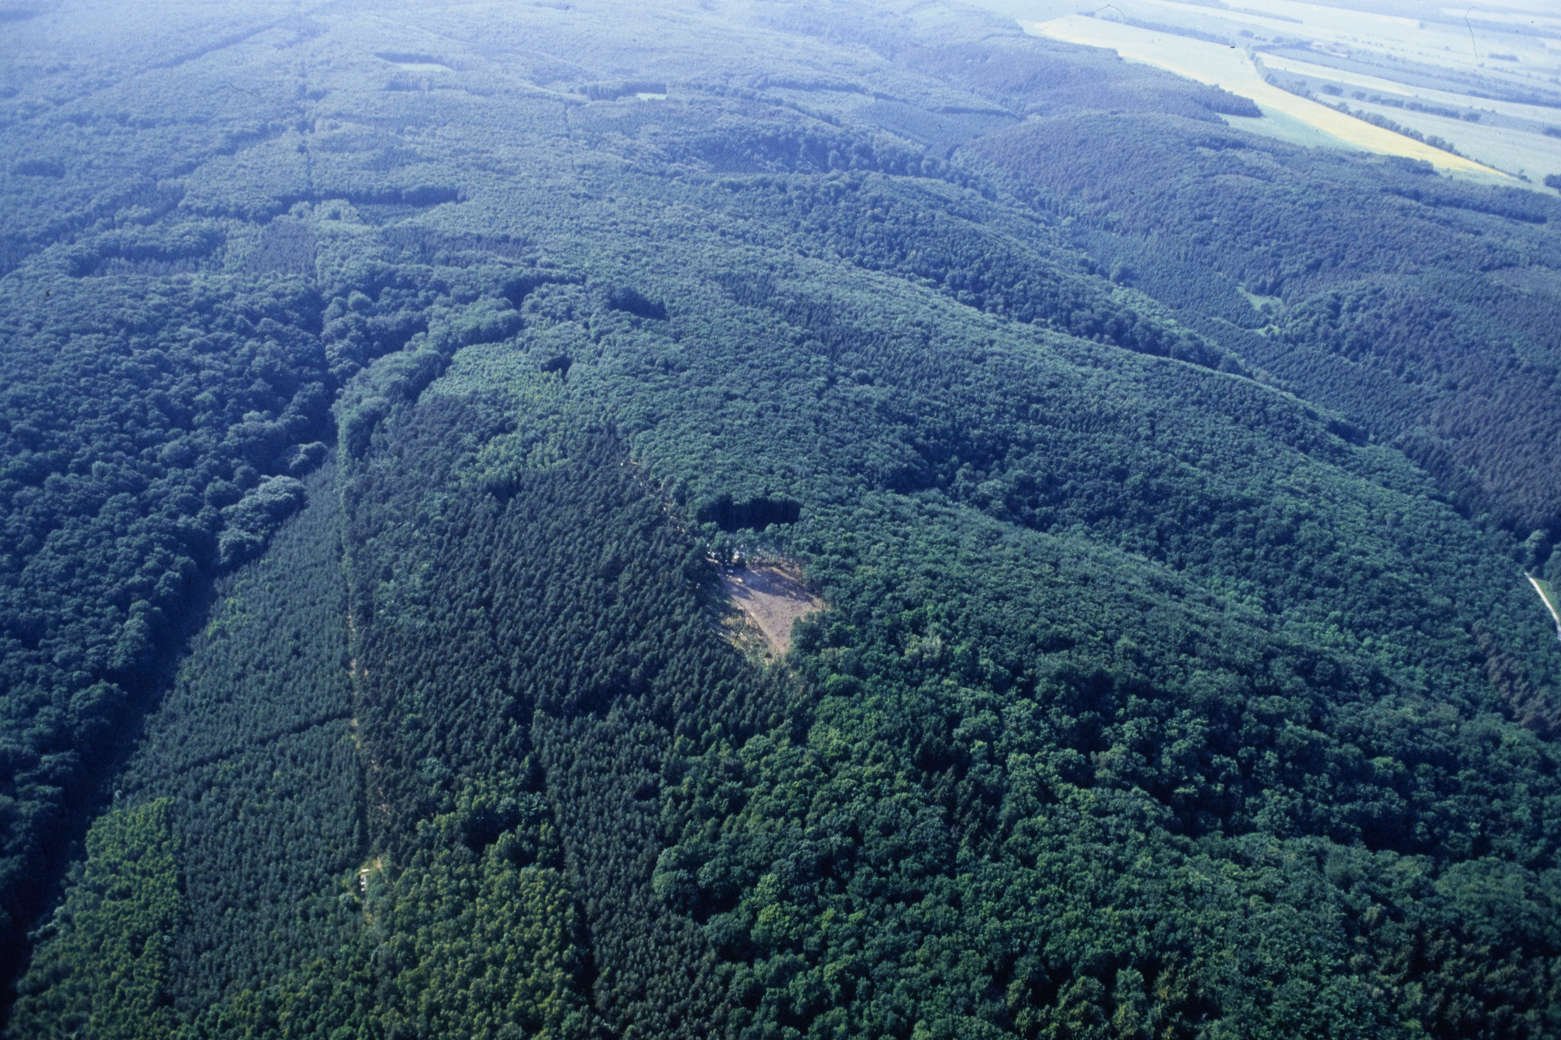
column 1461, row 40
column 1379, row 85
column 1232, row 69
column 1533, row 155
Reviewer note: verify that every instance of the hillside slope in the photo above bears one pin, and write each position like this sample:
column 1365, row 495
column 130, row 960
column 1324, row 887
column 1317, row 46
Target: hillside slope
column 381, row 383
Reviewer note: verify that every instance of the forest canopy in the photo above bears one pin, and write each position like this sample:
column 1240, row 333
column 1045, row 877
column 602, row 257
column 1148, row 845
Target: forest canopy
column 389, row 393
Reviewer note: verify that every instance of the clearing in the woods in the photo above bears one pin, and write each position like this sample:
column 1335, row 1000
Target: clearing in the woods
column 773, row 599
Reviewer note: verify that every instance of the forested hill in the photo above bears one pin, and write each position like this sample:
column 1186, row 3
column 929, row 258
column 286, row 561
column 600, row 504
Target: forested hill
column 379, row 382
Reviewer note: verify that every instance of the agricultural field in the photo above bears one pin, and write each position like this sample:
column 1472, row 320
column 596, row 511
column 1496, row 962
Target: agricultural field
column 1475, row 91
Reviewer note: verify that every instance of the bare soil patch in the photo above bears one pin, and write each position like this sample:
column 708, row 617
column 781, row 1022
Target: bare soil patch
column 773, row 599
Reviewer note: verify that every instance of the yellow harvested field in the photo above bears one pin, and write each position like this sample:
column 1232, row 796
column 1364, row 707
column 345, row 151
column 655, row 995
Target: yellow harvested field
column 1232, row 69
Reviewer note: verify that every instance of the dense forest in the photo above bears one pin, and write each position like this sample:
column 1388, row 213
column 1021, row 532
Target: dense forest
column 388, row 393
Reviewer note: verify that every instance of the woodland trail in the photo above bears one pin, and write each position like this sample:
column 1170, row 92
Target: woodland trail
column 1550, row 605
